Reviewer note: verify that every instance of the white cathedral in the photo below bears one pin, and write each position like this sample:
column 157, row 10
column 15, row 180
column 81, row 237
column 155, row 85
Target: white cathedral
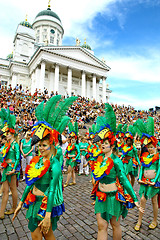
column 40, row 61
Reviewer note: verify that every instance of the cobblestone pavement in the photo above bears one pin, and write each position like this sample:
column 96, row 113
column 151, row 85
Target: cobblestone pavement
column 79, row 222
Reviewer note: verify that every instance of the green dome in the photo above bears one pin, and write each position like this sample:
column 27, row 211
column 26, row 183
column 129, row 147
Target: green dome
column 10, row 56
column 26, row 24
column 48, row 12
column 86, row 46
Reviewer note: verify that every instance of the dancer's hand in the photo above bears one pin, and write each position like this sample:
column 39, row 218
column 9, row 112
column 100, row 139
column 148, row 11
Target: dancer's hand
column 151, row 183
column 10, row 172
column 45, row 225
column 140, row 181
column 17, row 210
column 85, row 165
column 74, row 159
column 139, row 208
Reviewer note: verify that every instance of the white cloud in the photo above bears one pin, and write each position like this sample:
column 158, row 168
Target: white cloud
column 142, row 68
column 136, row 102
column 76, row 16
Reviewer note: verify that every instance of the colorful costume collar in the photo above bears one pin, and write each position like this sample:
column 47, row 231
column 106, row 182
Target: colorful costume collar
column 70, row 147
column 147, row 159
column 126, row 149
column 120, row 145
column 100, row 169
column 33, row 173
column 5, row 150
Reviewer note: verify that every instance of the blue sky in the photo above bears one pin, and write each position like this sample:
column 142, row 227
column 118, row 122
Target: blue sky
column 125, row 33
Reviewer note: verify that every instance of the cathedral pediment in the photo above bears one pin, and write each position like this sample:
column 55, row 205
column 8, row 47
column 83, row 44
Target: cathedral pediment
column 77, row 54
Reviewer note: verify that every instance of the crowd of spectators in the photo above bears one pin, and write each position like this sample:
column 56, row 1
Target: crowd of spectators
column 84, row 111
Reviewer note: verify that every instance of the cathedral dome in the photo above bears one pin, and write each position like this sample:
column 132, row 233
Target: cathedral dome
column 26, row 24
column 48, row 12
column 86, row 46
column 10, row 56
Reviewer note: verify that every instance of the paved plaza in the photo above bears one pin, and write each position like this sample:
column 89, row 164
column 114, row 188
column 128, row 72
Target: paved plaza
column 79, row 221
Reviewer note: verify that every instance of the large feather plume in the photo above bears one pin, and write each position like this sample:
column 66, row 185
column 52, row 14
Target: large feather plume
column 71, row 127
column 76, row 127
column 39, row 112
column 124, row 129
column 50, row 108
column 150, row 126
column 119, row 128
column 11, row 121
column 137, row 129
column 63, row 124
column 110, row 117
column 100, row 122
column 131, row 129
column 141, row 126
column 9, row 118
column 60, row 111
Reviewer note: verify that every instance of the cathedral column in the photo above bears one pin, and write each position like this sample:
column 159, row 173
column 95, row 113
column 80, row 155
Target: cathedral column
column 88, row 88
column 83, row 89
column 42, row 76
column 51, row 81
column 56, row 84
column 97, row 91
column 14, row 80
column 104, row 90
column 94, row 86
column 33, row 83
column 37, row 76
column 69, row 84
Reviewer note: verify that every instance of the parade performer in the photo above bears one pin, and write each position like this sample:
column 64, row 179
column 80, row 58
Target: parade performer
column 43, row 194
column 61, row 128
column 94, row 149
column 120, row 138
column 3, row 141
column 149, row 177
column 26, row 151
column 11, row 162
column 114, row 194
column 83, row 145
column 130, row 157
column 72, row 153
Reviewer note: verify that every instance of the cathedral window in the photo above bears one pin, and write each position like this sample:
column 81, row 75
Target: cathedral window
column 44, row 37
column 51, row 39
column 37, row 39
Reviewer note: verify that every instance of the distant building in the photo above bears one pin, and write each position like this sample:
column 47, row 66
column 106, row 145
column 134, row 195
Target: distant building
column 40, row 61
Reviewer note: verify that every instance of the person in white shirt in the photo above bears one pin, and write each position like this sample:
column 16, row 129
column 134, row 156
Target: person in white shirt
column 64, row 146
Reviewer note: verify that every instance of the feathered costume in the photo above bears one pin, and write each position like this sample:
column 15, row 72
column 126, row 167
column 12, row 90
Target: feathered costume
column 46, row 176
column 129, row 154
column 110, row 170
column 148, row 161
column 10, row 150
column 73, row 151
column 120, row 131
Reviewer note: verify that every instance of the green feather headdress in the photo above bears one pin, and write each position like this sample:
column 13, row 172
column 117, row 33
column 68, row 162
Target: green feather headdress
column 92, row 131
column 73, row 129
column 119, row 131
column 7, row 121
column 106, row 125
column 147, row 131
column 51, row 118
